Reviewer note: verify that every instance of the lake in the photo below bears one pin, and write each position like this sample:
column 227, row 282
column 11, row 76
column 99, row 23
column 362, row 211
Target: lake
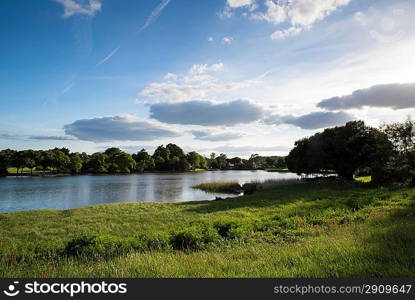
column 65, row 192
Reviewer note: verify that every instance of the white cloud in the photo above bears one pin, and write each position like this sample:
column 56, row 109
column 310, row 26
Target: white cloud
column 307, row 12
column 118, row 128
column 300, row 14
column 78, row 7
column 205, row 68
column 207, row 113
column 182, row 91
column 227, row 40
column 197, row 83
column 239, row 3
column 215, row 135
column 170, row 76
column 361, row 18
column 210, row 39
column 275, row 14
column 283, row 34
column 314, row 120
column 394, row 96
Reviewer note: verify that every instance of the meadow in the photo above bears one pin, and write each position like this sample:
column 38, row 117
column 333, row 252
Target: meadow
column 294, row 230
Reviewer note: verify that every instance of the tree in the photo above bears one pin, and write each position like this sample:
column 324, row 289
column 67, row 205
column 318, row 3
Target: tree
column 270, row 162
column 144, row 162
column 45, row 159
column 175, row 150
column 212, row 161
column 60, row 161
column 401, row 165
column 18, row 161
column 6, row 161
column 221, row 161
column 75, row 164
column 159, row 162
column 30, row 159
column 196, row 161
column 280, row 163
column 161, row 157
column 97, row 163
column 253, row 161
column 119, row 161
column 342, row 149
column 162, row 152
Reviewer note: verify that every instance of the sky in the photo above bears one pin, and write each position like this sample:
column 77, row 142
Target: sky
column 232, row 76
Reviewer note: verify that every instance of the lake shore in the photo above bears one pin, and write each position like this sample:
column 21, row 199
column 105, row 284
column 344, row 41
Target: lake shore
column 40, row 174
column 307, row 230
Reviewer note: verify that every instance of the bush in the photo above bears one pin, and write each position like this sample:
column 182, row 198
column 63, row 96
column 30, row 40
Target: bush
column 250, row 188
column 105, row 246
column 232, row 229
column 156, row 241
column 356, row 204
column 193, row 238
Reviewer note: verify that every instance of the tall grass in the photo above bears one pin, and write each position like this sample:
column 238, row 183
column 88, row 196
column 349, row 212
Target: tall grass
column 294, row 230
column 225, row 187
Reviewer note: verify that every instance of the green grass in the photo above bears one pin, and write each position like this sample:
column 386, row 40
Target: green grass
column 303, row 230
column 364, row 179
column 231, row 187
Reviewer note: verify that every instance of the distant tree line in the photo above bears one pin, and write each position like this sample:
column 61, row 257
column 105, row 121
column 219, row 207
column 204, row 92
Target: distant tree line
column 114, row 160
column 387, row 153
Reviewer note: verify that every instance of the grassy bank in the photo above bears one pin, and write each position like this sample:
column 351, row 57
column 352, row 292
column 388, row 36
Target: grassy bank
column 307, row 230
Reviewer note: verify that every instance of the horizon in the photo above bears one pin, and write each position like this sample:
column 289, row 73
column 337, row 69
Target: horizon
column 234, row 76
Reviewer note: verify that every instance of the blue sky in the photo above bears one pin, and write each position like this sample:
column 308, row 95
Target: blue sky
column 235, row 76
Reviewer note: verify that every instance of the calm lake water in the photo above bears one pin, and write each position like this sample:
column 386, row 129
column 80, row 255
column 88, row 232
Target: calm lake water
column 28, row 193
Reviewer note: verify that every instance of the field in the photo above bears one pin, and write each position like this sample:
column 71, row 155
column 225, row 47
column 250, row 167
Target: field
column 302, row 230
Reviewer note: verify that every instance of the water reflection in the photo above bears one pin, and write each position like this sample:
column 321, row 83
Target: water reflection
column 26, row 193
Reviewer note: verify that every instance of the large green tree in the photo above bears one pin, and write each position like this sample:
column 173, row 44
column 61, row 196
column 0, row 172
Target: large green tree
column 97, row 163
column 144, row 162
column 343, row 149
column 6, row 161
column 119, row 161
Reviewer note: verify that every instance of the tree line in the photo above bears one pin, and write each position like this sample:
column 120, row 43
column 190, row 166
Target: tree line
column 386, row 153
column 113, row 161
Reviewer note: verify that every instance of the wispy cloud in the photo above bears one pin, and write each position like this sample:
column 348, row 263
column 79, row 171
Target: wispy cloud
column 227, row 40
column 154, row 15
column 150, row 20
column 76, row 7
column 52, row 138
column 111, row 54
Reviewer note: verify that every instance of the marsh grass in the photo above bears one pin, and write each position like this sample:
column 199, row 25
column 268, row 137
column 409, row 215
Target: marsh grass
column 300, row 230
column 231, row 187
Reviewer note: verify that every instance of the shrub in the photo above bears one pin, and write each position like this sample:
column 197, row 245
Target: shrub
column 156, row 241
column 193, row 238
column 250, row 188
column 233, row 229
column 105, row 246
column 356, row 204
